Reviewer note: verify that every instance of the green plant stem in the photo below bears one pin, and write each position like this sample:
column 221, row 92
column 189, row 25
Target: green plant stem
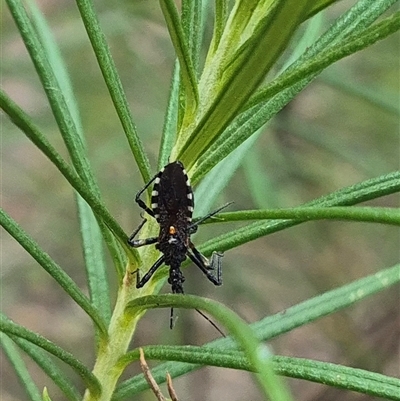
column 121, row 329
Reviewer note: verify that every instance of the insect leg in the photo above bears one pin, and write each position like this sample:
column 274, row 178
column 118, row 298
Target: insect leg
column 171, row 319
column 193, row 227
column 140, row 282
column 136, row 243
column 133, row 235
column 140, row 202
column 206, row 266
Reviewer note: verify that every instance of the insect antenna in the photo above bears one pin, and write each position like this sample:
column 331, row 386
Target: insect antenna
column 207, row 216
column 211, row 322
column 171, row 321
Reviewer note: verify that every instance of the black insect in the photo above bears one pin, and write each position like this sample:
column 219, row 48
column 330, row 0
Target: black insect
column 172, row 206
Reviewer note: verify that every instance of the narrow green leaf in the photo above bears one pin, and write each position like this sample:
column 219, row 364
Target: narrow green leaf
column 56, row 61
column 50, row 368
column 349, row 46
column 258, row 354
column 65, row 122
column 53, row 269
column 19, row 366
column 92, row 237
column 352, row 24
column 114, row 84
column 241, row 129
column 170, row 120
column 213, row 184
column 366, row 190
column 244, row 15
column 254, row 169
column 181, row 46
column 313, row 30
column 193, row 29
column 327, row 303
column 12, row 329
column 318, row 6
column 376, row 96
column 95, row 264
column 275, row 97
column 53, row 91
column 248, row 68
column 45, row 395
column 221, row 16
column 192, row 24
column 22, row 121
column 339, row 376
column 382, row 215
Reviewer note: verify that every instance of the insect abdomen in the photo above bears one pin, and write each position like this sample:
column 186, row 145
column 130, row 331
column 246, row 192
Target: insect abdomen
column 172, row 194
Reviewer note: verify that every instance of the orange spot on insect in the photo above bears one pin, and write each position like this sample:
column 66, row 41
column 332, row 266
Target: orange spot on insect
column 172, row 230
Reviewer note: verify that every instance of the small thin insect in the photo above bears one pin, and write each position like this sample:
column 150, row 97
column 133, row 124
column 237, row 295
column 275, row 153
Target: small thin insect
column 172, row 204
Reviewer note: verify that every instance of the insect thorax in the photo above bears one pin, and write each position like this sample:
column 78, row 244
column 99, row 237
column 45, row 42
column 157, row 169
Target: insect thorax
column 173, row 240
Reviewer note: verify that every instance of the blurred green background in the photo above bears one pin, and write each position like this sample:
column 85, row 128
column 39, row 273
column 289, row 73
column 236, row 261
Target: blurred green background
column 342, row 129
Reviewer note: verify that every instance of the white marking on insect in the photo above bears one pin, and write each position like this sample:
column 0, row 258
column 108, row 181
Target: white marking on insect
column 154, row 205
column 190, row 196
column 154, row 193
column 157, row 216
column 188, row 182
column 157, row 180
column 190, row 208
